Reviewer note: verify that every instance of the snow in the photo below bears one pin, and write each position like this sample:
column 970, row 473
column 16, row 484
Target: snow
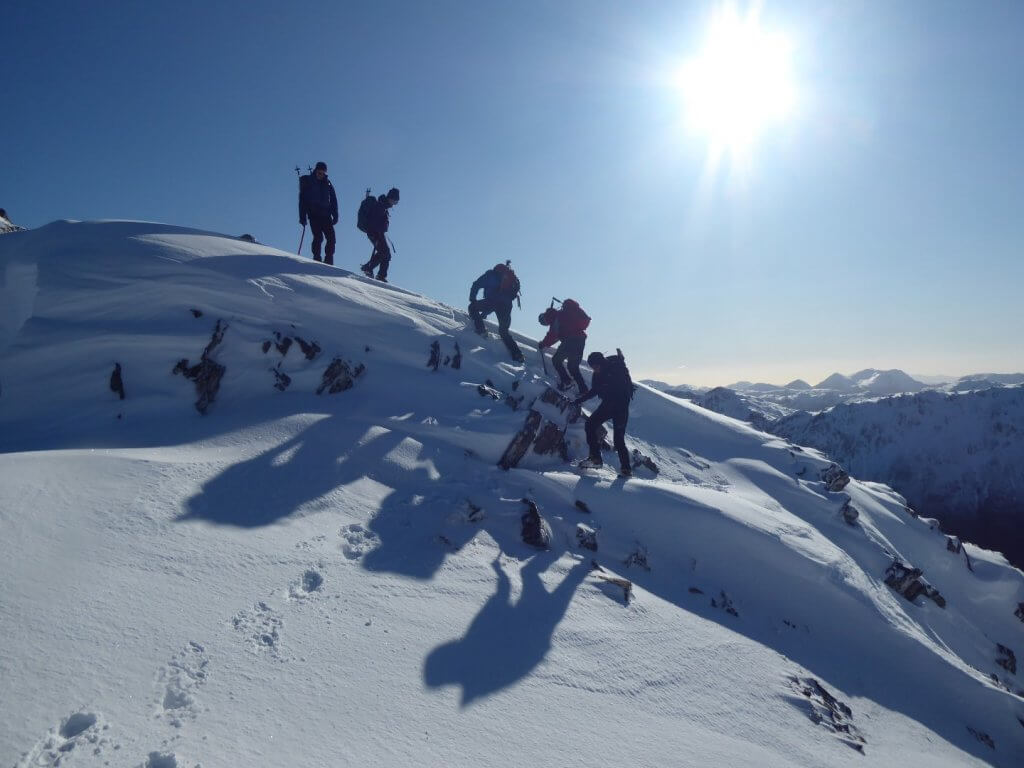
column 294, row 579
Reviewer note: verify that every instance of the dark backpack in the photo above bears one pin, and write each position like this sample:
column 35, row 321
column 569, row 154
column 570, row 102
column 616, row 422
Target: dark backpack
column 509, row 283
column 367, row 210
column 618, row 375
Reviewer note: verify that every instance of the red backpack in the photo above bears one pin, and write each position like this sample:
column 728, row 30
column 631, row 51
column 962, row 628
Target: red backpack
column 574, row 320
column 509, row 282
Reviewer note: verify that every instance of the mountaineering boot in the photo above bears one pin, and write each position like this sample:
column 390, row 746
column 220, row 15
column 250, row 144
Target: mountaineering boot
column 518, row 358
column 366, row 270
column 382, row 279
column 591, row 462
column 564, row 385
column 626, row 471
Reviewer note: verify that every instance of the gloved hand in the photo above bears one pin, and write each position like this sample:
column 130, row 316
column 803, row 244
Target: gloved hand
column 334, row 220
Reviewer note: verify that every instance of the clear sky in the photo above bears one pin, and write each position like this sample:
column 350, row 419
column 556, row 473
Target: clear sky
column 877, row 221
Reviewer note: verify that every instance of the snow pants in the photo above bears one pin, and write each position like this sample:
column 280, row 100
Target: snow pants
column 570, row 352
column 619, row 414
column 322, row 227
column 381, row 254
column 481, row 308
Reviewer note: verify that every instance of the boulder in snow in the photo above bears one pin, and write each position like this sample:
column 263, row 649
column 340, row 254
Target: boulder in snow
column 835, row 477
column 339, row 376
column 206, row 373
column 908, row 582
column 535, row 531
column 586, row 537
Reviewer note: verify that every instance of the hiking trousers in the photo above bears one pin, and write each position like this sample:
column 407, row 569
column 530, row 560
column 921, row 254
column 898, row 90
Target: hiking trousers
column 381, row 254
column 619, row 414
column 481, row 308
column 570, row 352
column 322, row 228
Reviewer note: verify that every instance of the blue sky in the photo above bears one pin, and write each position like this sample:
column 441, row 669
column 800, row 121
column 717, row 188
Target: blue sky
column 879, row 225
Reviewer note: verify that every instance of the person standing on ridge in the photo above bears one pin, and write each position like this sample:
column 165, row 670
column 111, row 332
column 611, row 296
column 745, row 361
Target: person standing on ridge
column 501, row 287
column 612, row 383
column 319, row 204
column 373, row 219
column 568, row 326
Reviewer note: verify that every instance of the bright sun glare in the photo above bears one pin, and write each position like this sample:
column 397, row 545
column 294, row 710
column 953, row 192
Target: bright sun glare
column 739, row 83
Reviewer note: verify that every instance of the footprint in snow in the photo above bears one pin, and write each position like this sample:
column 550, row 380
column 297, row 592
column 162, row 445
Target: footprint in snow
column 178, row 683
column 261, row 627
column 80, row 733
column 357, row 541
column 311, row 583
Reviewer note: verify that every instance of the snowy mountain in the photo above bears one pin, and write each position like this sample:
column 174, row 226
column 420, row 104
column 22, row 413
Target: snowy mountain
column 986, row 381
column 959, row 458
column 892, row 382
column 7, row 226
column 253, row 514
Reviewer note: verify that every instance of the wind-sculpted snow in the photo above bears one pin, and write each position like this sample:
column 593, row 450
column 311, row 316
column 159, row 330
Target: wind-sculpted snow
column 303, row 579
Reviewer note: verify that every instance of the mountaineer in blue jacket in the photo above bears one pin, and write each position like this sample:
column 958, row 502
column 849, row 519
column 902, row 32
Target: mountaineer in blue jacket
column 501, row 287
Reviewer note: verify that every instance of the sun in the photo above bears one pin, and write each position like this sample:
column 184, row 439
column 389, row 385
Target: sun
column 739, row 83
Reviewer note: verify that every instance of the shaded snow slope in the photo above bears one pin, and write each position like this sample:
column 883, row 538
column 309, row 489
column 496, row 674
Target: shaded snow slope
column 303, row 579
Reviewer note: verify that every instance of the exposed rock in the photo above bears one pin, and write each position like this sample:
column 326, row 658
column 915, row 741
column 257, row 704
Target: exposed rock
column 551, row 440
column 474, row 513
column 696, row 591
column 954, row 545
column 491, row 392
column 983, row 737
column 247, row 238
column 284, row 343
column 586, row 537
column 724, row 602
column 849, row 512
column 339, row 376
column 582, row 507
column 535, row 529
column 196, row 313
column 908, row 582
column 521, row 441
column 835, row 477
column 457, row 357
column 625, row 584
column 266, row 346
column 310, row 349
column 116, row 382
column 1019, row 613
column 1006, row 659
column 829, row 712
column 282, row 378
column 640, row 460
column 206, row 373
column 435, row 356
column 638, row 557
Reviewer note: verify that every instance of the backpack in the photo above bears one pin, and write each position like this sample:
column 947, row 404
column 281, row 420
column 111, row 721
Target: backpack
column 367, row 209
column 509, row 282
column 575, row 317
column 618, row 375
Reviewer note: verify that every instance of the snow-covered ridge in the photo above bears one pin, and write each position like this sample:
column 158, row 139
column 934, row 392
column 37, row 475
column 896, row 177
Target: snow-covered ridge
column 302, row 578
column 957, row 457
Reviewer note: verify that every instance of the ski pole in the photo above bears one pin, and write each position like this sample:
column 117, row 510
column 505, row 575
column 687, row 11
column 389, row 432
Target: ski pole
column 543, row 362
column 303, row 237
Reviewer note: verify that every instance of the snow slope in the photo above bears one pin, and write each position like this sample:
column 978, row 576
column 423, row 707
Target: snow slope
column 957, row 457
column 339, row 579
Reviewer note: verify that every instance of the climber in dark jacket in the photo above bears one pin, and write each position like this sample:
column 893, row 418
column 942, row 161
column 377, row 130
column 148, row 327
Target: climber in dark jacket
column 500, row 286
column 319, row 204
column 612, row 383
column 376, row 225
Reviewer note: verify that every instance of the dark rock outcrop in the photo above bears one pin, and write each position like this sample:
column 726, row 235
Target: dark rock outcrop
column 207, row 373
column 586, row 537
column 434, row 362
column 339, row 376
column 908, row 582
column 1006, row 659
column 116, row 381
column 835, row 477
column 826, row 710
column 535, row 529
